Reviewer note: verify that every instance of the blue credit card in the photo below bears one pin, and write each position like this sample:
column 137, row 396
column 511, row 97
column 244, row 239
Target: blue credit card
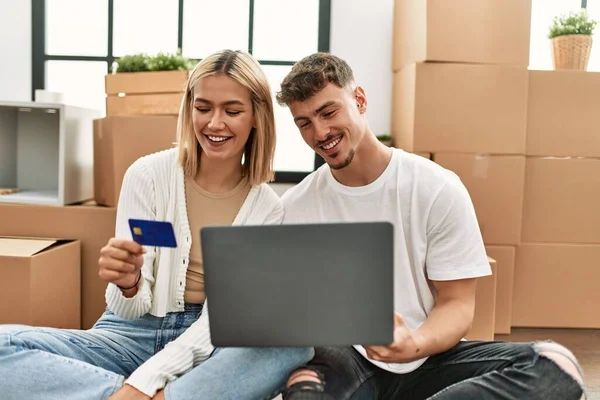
column 152, row 233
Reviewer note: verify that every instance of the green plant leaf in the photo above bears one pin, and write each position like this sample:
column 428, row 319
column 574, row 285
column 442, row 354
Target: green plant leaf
column 132, row 63
column 572, row 23
column 161, row 62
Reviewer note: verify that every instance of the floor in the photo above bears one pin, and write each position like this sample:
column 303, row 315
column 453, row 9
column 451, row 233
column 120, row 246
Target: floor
column 584, row 343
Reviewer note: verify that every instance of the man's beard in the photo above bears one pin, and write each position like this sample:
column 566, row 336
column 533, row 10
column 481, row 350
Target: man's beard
column 344, row 163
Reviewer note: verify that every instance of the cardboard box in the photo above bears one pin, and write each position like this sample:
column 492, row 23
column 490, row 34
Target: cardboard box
column 118, row 142
column 495, row 184
column 563, row 116
column 556, row 286
column 93, row 226
column 145, row 93
column 505, row 270
column 485, row 307
column 46, row 153
column 40, row 282
column 439, row 107
column 144, row 104
column 561, row 200
column 463, row 31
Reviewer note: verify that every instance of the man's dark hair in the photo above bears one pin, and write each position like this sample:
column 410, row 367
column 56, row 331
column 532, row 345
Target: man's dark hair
column 311, row 74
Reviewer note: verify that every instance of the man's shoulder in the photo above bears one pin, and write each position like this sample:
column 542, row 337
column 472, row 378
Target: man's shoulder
column 305, row 189
column 426, row 174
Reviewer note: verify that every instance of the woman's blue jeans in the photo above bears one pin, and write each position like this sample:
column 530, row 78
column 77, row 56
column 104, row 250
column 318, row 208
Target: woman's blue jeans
column 46, row 363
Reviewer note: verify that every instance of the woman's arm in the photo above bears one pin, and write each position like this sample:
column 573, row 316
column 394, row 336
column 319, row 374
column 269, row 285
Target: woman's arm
column 137, row 200
column 175, row 359
column 194, row 345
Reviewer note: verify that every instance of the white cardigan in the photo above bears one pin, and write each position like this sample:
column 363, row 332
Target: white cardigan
column 153, row 189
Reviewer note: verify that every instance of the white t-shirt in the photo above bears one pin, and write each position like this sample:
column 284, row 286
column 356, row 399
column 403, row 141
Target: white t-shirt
column 435, row 226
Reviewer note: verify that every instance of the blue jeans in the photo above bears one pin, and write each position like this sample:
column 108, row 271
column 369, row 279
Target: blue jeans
column 47, row 363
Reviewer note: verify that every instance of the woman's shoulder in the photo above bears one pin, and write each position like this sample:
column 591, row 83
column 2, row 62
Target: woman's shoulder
column 261, row 206
column 266, row 194
column 156, row 164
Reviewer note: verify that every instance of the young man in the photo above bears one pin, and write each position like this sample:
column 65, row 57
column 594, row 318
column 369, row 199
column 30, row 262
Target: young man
column 439, row 254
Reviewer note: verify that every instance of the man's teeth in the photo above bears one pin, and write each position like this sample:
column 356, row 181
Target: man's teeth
column 218, row 138
column 332, row 144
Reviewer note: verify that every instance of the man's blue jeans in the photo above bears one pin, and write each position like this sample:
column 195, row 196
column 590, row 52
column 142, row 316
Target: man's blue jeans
column 46, row 363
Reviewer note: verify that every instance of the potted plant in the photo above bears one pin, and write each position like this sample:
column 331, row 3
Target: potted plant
column 385, row 139
column 147, row 85
column 571, row 40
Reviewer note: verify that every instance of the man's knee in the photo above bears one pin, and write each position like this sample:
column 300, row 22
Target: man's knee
column 305, row 383
column 562, row 357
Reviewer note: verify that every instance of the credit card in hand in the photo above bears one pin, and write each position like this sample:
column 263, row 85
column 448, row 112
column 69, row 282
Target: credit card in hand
column 152, row 233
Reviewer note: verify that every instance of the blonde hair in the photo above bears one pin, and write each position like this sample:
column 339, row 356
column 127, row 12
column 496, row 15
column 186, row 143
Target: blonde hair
column 260, row 148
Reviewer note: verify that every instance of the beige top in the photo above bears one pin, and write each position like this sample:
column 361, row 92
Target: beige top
column 206, row 208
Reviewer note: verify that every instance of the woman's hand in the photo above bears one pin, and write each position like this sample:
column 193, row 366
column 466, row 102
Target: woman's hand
column 121, row 262
column 128, row 392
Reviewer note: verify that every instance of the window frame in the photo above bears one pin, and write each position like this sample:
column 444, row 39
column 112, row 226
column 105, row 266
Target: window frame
column 39, row 56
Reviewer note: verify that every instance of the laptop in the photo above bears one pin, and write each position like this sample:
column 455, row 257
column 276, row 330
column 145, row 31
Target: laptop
column 300, row 285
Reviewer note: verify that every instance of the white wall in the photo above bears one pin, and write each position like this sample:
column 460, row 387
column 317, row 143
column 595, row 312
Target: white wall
column 361, row 34
column 15, row 50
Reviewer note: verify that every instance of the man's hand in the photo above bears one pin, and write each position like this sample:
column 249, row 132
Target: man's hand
column 128, row 392
column 404, row 348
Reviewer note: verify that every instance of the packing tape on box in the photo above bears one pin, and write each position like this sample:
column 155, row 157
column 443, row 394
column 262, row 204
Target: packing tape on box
column 480, row 166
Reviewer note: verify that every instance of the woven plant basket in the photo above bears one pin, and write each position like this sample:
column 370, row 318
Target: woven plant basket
column 571, row 51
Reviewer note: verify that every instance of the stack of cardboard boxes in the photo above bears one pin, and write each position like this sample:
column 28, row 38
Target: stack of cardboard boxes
column 54, row 281
column 557, row 269
column 460, row 92
column 524, row 143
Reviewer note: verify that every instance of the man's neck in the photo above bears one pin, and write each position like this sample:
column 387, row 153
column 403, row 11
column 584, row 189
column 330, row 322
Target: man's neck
column 218, row 176
column 370, row 160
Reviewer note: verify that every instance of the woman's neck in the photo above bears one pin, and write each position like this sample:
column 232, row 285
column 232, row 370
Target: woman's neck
column 218, row 176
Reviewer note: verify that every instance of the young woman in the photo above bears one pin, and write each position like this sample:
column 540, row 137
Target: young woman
column 153, row 341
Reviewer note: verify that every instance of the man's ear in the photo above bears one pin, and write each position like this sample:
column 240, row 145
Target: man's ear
column 361, row 99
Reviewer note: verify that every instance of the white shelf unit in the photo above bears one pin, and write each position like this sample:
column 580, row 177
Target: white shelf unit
column 46, row 153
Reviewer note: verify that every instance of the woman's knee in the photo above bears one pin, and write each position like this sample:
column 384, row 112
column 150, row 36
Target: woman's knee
column 305, row 354
column 296, row 356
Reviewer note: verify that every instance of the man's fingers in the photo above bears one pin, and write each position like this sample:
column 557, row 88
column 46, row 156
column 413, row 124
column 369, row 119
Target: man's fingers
column 375, row 352
column 398, row 320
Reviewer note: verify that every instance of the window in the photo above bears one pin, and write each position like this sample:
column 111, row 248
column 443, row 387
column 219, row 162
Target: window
column 542, row 14
column 72, row 55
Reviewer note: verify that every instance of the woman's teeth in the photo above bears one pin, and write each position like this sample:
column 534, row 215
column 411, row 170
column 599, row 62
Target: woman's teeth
column 218, row 138
column 332, row 144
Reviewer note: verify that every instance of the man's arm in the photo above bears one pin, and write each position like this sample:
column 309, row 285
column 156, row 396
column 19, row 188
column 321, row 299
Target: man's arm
column 450, row 319
column 448, row 322
column 455, row 258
